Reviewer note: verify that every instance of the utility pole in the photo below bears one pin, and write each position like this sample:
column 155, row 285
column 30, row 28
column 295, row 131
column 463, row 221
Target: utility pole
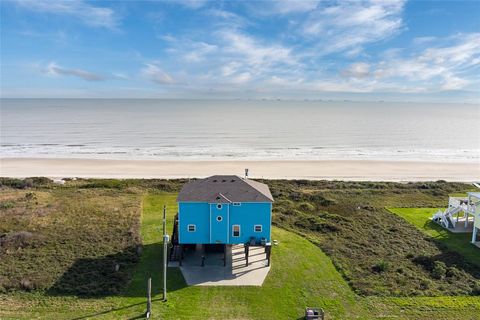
column 165, row 242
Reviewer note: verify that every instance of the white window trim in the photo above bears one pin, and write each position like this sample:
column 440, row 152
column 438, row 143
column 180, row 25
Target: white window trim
column 237, row 204
column 191, row 225
column 255, row 228
column 219, row 206
column 233, row 230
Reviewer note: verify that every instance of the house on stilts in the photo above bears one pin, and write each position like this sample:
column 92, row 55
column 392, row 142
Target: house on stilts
column 462, row 215
column 219, row 212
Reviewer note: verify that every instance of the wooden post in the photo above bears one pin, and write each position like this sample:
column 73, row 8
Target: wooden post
column 224, row 255
column 149, row 298
column 268, row 251
column 181, row 255
column 247, row 247
column 165, row 241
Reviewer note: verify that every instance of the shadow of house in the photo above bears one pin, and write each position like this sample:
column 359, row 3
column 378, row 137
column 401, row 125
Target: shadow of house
column 457, row 268
column 120, row 274
column 96, row 277
column 151, row 266
column 449, row 256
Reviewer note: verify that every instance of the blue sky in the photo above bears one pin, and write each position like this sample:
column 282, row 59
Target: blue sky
column 359, row 50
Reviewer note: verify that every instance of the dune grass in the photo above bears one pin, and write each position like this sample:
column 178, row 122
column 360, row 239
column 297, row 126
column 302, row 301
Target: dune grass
column 377, row 252
column 51, row 237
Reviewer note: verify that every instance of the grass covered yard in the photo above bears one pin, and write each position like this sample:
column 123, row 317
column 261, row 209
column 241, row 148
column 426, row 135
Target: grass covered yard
column 301, row 274
column 457, row 242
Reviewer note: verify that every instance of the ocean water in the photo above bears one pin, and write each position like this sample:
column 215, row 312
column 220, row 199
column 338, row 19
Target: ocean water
column 238, row 130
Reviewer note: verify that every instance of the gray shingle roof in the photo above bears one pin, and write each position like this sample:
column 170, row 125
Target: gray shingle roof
column 224, row 189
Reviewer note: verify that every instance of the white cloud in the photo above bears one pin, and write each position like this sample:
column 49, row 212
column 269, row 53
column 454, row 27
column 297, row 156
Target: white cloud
column 453, row 83
column 193, row 4
column 226, row 18
column 357, row 70
column 423, row 40
column 448, row 65
column 241, row 78
column 53, row 69
column 198, row 50
column 120, row 75
column 253, row 65
column 230, row 68
column 294, row 6
column 89, row 14
column 153, row 73
column 253, row 51
column 349, row 25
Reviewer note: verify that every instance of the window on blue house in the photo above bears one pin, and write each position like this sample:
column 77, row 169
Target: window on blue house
column 257, row 228
column 219, row 206
column 191, row 228
column 219, row 218
column 236, row 230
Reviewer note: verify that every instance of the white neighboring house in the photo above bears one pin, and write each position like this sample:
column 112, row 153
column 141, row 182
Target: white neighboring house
column 456, row 218
column 474, row 209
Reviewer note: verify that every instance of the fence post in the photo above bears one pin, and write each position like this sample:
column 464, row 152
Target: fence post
column 149, row 298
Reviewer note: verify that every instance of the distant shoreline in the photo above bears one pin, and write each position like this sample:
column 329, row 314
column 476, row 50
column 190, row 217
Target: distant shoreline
column 357, row 170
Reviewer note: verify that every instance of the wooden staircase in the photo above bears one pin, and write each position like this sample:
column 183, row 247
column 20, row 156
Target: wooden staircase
column 175, row 249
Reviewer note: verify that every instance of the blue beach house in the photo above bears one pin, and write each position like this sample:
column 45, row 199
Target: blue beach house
column 224, row 209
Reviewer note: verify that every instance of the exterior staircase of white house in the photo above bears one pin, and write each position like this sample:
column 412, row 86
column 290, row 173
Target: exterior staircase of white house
column 461, row 215
column 446, row 217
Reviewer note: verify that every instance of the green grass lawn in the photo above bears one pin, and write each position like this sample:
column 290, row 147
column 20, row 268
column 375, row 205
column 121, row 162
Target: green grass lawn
column 301, row 275
column 458, row 242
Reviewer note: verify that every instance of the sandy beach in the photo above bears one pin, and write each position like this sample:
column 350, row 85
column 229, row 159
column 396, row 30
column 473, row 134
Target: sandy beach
column 339, row 170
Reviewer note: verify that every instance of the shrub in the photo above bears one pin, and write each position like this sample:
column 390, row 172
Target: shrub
column 40, row 181
column 425, row 284
column 321, row 200
column 26, row 285
column 425, row 261
column 6, row 205
column 453, row 272
column 306, row 206
column 15, row 240
column 381, row 266
column 476, row 288
column 439, row 270
column 106, row 183
column 16, row 183
column 30, row 196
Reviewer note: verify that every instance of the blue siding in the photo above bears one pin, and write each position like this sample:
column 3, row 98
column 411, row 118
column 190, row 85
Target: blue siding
column 210, row 230
column 197, row 214
column 247, row 215
column 219, row 223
